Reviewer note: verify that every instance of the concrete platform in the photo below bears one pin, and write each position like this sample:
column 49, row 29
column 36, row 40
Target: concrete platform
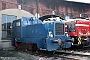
column 5, row 44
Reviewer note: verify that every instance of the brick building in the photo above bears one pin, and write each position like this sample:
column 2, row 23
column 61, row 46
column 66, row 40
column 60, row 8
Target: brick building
column 43, row 7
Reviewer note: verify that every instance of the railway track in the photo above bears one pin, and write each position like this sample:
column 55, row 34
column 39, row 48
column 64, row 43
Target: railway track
column 59, row 54
column 56, row 56
column 65, row 57
column 72, row 52
column 63, row 54
column 73, row 55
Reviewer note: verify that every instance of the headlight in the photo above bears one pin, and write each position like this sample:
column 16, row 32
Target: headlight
column 50, row 34
column 66, row 34
column 73, row 40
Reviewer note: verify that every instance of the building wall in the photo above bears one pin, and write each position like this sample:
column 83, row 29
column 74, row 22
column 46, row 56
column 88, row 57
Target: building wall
column 61, row 7
column 15, row 12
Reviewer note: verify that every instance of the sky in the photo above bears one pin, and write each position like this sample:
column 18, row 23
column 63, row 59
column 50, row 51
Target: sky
column 82, row 1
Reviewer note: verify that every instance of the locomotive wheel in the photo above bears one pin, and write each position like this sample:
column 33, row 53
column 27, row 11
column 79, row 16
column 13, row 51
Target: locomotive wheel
column 26, row 46
column 34, row 47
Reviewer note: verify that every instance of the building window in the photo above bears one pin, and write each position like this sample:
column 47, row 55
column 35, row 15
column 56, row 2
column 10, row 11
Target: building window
column 3, row 5
column 7, row 26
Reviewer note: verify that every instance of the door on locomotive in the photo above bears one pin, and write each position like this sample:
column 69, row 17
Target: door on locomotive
column 79, row 30
column 15, row 32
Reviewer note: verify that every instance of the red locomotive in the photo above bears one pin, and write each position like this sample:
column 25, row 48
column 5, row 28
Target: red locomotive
column 79, row 30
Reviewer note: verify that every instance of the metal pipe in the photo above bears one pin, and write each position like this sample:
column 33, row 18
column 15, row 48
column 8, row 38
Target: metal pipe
column 37, row 7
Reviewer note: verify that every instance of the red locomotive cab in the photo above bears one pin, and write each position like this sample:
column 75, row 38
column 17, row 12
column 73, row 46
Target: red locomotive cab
column 79, row 30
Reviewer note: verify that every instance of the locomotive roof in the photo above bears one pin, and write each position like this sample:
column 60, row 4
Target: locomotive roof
column 49, row 16
column 78, row 18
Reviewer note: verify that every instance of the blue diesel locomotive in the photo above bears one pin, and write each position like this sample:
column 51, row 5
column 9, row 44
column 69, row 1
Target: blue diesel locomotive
column 48, row 34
